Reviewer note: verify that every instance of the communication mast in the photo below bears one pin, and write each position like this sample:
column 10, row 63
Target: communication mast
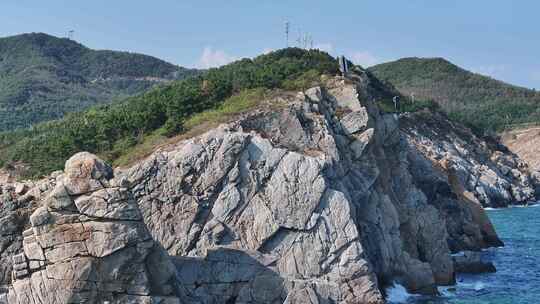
column 287, row 28
column 71, row 34
column 304, row 40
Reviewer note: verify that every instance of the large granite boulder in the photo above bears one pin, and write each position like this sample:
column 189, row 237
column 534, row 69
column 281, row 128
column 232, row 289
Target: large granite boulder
column 87, row 243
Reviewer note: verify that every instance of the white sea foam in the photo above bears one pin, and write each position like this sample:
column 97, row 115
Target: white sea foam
column 529, row 205
column 476, row 286
column 447, row 291
column 397, row 294
column 535, row 204
column 479, row 286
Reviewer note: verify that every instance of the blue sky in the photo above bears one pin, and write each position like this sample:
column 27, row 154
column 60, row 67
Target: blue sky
column 497, row 38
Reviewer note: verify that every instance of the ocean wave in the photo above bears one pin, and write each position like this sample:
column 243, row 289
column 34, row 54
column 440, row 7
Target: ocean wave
column 447, row 291
column 397, row 294
column 479, row 286
column 476, row 286
column 530, row 205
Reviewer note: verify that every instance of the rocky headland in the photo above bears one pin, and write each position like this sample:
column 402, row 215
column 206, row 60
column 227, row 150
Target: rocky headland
column 317, row 197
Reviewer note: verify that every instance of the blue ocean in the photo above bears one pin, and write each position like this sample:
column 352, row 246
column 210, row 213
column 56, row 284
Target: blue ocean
column 517, row 280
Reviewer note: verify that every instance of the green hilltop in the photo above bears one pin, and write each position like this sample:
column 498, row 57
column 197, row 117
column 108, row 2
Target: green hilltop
column 43, row 77
column 113, row 130
column 480, row 102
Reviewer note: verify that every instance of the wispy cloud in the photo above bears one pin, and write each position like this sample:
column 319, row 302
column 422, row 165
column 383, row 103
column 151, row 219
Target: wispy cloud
column 364, row 58
column 211, row 58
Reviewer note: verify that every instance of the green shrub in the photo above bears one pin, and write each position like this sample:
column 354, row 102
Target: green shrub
column 484, row 104
column 167, row 110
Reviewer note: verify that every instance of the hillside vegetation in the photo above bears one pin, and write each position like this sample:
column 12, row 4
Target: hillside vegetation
column 111, row 130
column 482, row 103
column 44, row 77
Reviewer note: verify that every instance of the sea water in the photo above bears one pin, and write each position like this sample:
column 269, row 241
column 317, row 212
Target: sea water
column 517, row 280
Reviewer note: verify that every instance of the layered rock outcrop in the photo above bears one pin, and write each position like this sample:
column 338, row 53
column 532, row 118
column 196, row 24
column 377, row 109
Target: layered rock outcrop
column 486, row 170
column 17, row 202
column 314, row 198
column 87, row 243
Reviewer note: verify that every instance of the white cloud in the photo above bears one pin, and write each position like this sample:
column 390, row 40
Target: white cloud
column 364, row 58
column 326, row 47
column 211, row 58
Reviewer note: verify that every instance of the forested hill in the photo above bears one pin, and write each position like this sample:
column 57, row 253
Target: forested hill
column 114, row 130
column 43, row 77
column 481, row 102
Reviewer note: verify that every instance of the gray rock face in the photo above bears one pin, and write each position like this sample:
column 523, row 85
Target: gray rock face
column 87, row 243
column 355, row 122
column 471, row 262
column 15, row 210
column 493, row 175
column 302, row 205
column 320, row 200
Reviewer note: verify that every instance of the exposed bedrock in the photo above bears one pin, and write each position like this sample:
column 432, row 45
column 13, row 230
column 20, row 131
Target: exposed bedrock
column 320, row 198
column 471, row 262
column 87, row 243
column 323, row 200
column 486, row 170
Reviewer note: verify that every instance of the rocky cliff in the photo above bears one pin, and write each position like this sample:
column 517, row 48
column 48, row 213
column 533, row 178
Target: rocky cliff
column 84, row 243
column 311, row 198
column 525, row 143
column 319, row 191
column 485, row 170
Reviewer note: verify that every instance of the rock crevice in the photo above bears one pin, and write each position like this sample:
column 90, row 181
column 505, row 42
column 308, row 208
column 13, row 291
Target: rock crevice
column 324, row 199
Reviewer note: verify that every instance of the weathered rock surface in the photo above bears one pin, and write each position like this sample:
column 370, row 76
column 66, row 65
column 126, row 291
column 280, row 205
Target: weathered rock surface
column 87, row 243
column 316, row 202
column 525, row 142
column 489, row 173
column 323, row 199
column 471, row 262
column 15, row 210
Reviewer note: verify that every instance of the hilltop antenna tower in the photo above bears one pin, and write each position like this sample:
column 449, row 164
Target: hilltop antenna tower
column 71, row 34
column 287, row 28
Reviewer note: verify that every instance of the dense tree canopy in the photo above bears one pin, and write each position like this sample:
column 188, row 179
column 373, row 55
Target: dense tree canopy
column 165, row 109
column 43, row 77
column 484, row 104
